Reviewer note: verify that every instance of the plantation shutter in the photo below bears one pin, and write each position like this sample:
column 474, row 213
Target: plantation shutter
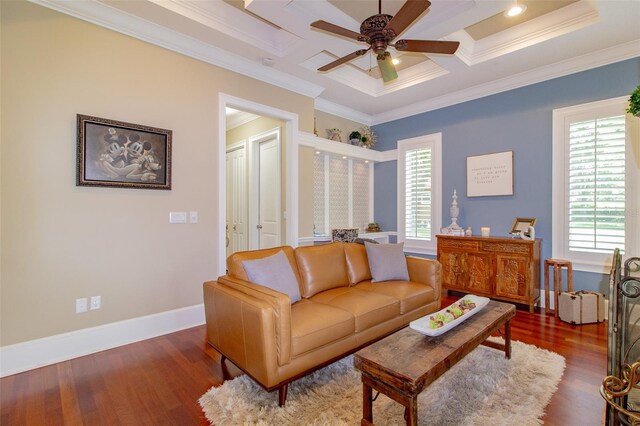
column 418, row 194
column 596, row 183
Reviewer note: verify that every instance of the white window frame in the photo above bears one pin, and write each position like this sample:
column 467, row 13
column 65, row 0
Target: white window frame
column 433, row 141
column 582, row 261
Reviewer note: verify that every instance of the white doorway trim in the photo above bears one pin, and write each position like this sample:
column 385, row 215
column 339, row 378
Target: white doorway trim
column 291, row 160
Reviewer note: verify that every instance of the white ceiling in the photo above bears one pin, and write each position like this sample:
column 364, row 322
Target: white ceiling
column 581, row 35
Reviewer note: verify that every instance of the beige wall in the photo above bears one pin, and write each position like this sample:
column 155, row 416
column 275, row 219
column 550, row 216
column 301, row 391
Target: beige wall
column 326, row 121
column 255, row 127
column 61, row 242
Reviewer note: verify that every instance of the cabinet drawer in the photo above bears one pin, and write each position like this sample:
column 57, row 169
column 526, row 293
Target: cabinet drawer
column 458, row 245
column 500, row 247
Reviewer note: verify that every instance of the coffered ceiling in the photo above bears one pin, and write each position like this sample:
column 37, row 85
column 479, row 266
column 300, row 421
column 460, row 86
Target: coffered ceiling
column 272, row 40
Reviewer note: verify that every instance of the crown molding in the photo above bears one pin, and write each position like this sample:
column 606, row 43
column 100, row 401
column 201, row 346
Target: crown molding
column 357, row 78
column 570, row 66
column 343, row 111
column 235, row 23
column 565, row 20
column 239, row 119
column 111, row 18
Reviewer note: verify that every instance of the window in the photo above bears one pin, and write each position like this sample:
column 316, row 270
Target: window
column 593, row 200
column 419, row 192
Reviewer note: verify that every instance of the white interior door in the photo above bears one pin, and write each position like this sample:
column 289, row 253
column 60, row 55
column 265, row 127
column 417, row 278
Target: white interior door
column 236, row 200
column 269, row 210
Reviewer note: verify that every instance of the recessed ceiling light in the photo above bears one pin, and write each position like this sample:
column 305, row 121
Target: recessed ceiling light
column 395, row 61
column 366, row 161
column 344, row 157
column 317, row 152
column 515, row 10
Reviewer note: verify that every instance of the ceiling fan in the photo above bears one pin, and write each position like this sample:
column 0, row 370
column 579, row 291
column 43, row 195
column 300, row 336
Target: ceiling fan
column 380, row 30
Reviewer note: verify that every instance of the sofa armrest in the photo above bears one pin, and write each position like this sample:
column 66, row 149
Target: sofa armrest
column 278, row 305
column 426, row 271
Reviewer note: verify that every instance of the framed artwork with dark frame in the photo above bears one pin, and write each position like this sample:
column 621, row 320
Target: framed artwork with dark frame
column 125, row 155
column 522, row 224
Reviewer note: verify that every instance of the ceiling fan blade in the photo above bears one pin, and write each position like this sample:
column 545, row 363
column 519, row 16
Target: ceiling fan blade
column 344, row 59
column 405, row 16
column 427, row 46
column 387, row 69
column 329, row 27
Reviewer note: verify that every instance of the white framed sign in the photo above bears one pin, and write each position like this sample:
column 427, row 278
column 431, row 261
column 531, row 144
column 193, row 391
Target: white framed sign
column 490, row 174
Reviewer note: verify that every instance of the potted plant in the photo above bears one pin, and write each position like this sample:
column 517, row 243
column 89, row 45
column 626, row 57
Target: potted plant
column 334, row 134
column 368, row 138
column 355, row 137
column 634, row 102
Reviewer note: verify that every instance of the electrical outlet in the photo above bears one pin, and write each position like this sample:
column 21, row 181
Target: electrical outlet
column 95, row 302
column 193, row 217
column 81, row 305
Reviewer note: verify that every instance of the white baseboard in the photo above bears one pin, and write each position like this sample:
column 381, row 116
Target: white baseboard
column 61, row 347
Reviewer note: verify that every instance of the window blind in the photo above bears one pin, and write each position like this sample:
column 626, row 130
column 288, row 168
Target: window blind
column 596, row 200
column 418, row 194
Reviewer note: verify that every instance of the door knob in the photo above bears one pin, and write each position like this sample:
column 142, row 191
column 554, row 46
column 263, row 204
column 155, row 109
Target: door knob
column 259, row 226
column 235, row 228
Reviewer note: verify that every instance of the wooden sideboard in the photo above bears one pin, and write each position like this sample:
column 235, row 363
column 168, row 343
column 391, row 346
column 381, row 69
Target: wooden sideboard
column 496, row 267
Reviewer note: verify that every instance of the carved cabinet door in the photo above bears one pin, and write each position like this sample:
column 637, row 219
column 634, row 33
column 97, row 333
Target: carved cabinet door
column 512, row 277
column 454, row 267
column 480, row 273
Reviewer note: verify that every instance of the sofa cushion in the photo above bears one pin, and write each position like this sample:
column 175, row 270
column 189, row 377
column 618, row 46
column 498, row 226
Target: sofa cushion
column 411, row 295
column 357, row 263
column 316, row 324
column 274, row 272
column 387, row 262
column 368, row 308
column 234, row 262
column 322, row 268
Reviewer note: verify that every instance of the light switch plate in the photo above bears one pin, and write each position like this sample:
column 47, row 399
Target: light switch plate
column 193, row 217
column 177, row 217
column 81, row 305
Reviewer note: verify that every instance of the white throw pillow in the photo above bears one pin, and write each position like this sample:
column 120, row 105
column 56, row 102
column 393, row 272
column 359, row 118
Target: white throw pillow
column 387, row 262
column 274, row 272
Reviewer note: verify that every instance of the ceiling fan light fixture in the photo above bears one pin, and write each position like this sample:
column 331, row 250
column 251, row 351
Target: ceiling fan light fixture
column 379, row 32
column 387, row 69
column 515, row 10
column 395, row 61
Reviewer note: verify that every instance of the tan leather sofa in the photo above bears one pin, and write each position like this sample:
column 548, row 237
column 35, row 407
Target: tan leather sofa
column 341, row 311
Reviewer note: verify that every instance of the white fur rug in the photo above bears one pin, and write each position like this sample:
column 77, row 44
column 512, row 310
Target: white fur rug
column 482, row 389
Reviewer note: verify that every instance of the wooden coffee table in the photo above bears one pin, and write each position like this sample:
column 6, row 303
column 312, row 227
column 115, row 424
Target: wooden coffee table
column 403, row 364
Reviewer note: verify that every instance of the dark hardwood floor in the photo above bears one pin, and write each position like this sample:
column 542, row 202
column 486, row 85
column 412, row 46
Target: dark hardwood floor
column 158, row 381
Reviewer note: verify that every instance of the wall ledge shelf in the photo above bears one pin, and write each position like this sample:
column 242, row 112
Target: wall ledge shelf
column 340, row 148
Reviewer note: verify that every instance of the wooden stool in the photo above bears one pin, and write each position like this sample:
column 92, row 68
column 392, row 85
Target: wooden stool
column 557, row 264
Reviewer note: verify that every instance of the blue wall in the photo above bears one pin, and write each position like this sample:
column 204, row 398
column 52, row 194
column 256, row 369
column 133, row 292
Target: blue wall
column 519, row 120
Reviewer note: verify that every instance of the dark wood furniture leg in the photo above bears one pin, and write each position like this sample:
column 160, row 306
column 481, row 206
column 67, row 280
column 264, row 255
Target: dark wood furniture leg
column 367, row 405
column 225, row 371
column 282, row 394
column 412, row 411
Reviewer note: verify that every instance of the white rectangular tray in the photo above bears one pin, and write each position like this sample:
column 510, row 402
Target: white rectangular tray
column 422, row 324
